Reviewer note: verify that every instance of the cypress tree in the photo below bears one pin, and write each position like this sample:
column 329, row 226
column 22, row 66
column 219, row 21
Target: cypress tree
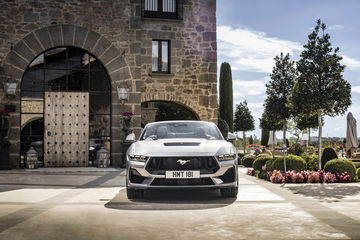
column 226, row 95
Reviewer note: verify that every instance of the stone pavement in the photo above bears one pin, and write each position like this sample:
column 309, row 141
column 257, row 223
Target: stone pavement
column 93, row 205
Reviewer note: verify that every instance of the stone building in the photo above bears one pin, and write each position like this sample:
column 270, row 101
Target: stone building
column 71, row 60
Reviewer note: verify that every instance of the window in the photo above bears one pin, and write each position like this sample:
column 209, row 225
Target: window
column 160, row 56
column 169, row 9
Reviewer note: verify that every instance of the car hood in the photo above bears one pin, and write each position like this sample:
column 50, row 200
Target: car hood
column 182, row 147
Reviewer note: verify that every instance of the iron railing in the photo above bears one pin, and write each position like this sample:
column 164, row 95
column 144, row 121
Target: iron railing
column 166, row 9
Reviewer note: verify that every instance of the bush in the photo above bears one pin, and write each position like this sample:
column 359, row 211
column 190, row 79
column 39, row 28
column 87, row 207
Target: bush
column 296, row 150
column 260, row 162
column 277, row 177
column 248, row 160
column 339, row 166
column 293, row 162
column 327, row 155
column 294, row 177
column 330, row 178
column 358, row 173
column 240, row 158
column 268, row 164
column 313, row 177
column 312, row 162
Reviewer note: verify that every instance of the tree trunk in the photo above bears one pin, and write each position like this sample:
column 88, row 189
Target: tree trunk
column 320, row 137
column 244, row 142
column 284, row 135
column 309, row 138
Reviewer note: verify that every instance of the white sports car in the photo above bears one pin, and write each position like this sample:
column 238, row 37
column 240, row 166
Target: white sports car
column 181, row 155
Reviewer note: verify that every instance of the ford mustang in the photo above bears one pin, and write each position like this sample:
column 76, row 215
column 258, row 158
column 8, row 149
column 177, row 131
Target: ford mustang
column 181, row 155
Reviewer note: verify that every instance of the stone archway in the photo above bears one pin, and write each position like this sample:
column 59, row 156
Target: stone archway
column 38, row 41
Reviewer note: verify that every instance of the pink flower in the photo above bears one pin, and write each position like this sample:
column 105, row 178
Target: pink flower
column 330, row 178
column 277, row 177
column 127, row 113
column 313, row 177
column 250, row 172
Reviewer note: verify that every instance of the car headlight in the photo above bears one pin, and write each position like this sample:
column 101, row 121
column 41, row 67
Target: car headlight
column 226, row 157
column 138, row 158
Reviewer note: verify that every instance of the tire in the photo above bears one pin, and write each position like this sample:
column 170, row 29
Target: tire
column 134, row 193
column 229, row 192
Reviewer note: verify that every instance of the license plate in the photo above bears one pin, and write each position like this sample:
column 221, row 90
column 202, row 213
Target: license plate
column 182, row 174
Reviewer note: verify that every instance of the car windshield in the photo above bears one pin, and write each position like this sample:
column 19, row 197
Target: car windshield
column 163, row 130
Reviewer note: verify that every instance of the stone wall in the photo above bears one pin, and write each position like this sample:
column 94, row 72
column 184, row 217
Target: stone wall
column 114, row 32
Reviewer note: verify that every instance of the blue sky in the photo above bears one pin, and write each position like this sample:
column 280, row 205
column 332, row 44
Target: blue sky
column 252, row 32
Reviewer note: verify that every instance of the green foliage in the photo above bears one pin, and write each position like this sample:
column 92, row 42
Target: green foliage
column 306, row 121
column 296, row 150
column 251, row 140
column 327, row 155
column 226, row 95
column 311, row 161
column 260, row 162
column 293, row 162
column 223, row 127
column 280, row 86
column 340, row 166
column 240, row 158
column 248, row 160
column 358, row 173
column 268, row 164
column 244, row 121
column 270, row 122
column 264, row 137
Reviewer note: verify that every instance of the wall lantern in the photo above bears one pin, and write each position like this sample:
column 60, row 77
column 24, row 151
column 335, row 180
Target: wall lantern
column 123, row 94
column 10, row 89
column 102, row 158
column 32, row 158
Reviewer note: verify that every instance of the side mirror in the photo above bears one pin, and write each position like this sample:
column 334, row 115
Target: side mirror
column 231, row 137
column 130, row 138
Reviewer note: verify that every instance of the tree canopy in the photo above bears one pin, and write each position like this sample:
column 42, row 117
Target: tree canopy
column 244, row 121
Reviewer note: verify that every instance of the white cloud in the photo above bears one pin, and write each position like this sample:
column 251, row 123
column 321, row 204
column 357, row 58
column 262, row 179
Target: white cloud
column 351, row 63
column 252, row 50
column 339, row 129
column 249, row 88
column 355, row 89
column 336, row 27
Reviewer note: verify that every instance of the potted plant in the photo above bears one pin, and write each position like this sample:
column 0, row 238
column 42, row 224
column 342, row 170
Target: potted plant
column 126, row 123
column 4, row 143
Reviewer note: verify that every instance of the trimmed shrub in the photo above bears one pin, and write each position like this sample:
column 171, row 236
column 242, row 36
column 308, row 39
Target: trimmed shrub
column 312, row 162
column 260, row 162
column 248, row 160
column 268, row 164
column 327, row 155
column 293, row 162
column 339, row 166
column 358, row 173
column 240, row 158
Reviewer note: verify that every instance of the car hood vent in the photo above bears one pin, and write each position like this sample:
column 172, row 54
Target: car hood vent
column 182, row 144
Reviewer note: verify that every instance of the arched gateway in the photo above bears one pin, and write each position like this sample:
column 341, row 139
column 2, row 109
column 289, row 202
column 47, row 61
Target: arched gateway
column 67, row 90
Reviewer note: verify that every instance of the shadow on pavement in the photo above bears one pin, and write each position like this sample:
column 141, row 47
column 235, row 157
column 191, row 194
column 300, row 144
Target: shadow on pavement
column 171, row 200
column 321, row 191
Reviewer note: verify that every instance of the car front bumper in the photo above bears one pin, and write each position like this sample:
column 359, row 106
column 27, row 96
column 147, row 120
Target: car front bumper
column 211, row 181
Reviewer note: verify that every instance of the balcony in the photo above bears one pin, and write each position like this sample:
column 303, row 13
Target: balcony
column 165, row 9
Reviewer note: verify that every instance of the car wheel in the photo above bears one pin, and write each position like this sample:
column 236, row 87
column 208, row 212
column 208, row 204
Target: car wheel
column 134, row 193
column 229, row 192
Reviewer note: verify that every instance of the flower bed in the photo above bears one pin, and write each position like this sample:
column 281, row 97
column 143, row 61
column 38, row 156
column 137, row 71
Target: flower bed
column 277, row 176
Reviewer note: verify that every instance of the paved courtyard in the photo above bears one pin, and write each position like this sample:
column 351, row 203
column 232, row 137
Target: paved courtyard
column 93, row 205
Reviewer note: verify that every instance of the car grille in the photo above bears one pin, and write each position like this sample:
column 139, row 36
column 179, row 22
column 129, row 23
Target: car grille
column 158, row 165
column 182, row 182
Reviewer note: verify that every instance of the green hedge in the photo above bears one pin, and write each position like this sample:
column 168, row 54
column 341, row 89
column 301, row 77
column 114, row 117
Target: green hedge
column 327, row 155
column 260, row 162
column 293, row 162
column 240, row 158
column 358, row 173
column 312, row 162
column 248, row 160
column 340, row 166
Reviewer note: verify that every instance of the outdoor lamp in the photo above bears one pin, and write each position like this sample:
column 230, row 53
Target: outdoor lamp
column 10, row 89
column 32, row 158
column 102, row 158
column 123, row 94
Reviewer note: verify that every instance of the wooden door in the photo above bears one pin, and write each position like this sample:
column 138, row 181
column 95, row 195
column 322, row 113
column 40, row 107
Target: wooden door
column 66, row 136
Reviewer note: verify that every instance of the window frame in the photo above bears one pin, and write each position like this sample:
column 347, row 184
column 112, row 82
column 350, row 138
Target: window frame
column 159, row 60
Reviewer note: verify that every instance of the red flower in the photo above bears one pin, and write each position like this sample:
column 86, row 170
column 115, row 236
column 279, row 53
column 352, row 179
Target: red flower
column 4, row 112
column 127, row 113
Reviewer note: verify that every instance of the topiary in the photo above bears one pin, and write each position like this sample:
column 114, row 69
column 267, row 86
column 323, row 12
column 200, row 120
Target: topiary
column 327, row 155
column 338, row 166
column 358, row 173
column 268, row 165
column 293, row 162
column 240, row 158
column 260, row 162
column 248, row 160
column 311, row 160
